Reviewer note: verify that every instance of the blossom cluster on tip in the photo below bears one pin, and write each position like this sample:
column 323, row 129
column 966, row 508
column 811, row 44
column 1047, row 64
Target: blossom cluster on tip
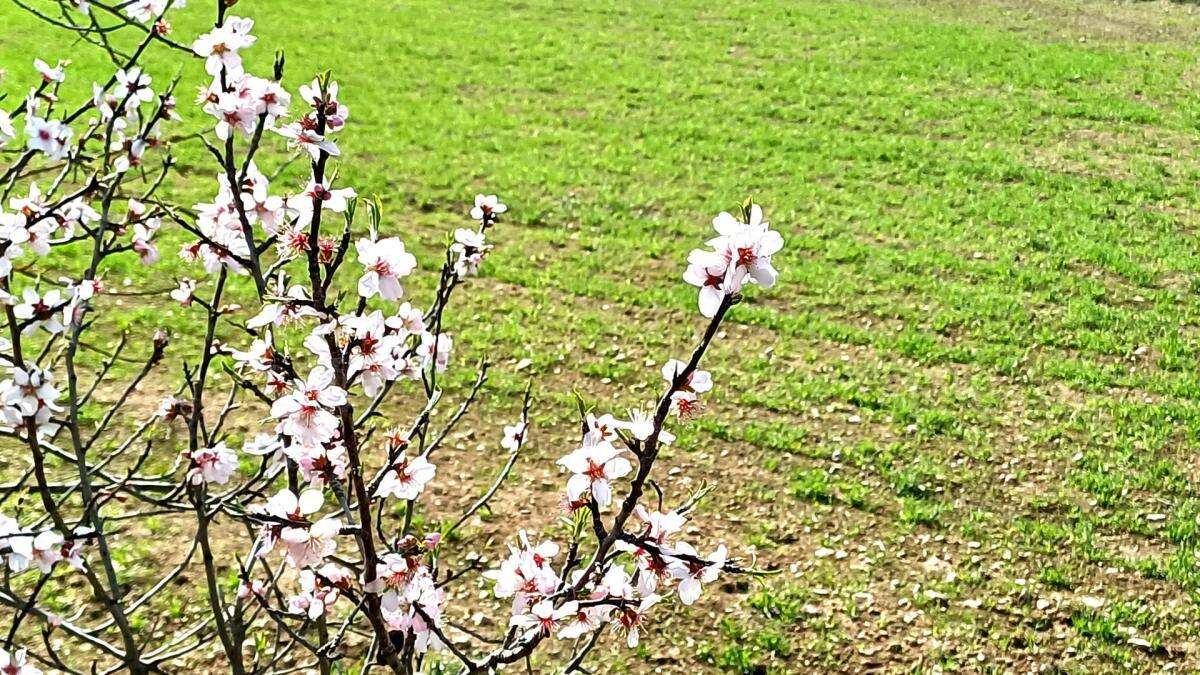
column 631, row 585
column 410, row 599
column 597, row 463
column 123, row 108
column 377, row 348
column 30, row 392
column 45, row 135
column 325, row 115
column 245, row 104
column 35, row 224
column 740, row 254
column 626, row 587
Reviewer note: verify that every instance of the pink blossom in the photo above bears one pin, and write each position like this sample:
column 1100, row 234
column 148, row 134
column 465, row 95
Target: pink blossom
column 270, row 98
column 310, row 545
column 133, row 86
column 219, row 47
column 468, row 250
column 233, row 113
column 527, row 574
column 306, row 542
column 19, row 544
column 293, row 306
column 43, row 311
column 7, row 131
column 400, row 607
column 594, row 468
column 660, row 525
column 692, row 574
column 514, row 436
column 308, row 140
column 213, row 465
column 708, row 270
column 184, row 293
column 319, row 465
column 600, row 429
column 385, row 262
column 641, row 426
column 393, row 573
column 630, row 619
column 255, row 588
column 260, row 356
column 406, row 478
column 585, row 620
column 747, row 247
column 15, row 663
column 743, row 250
column 304, row 414
column 317, row 594
column 72, row 552
column 55, row 74
column 264, row 445
column 685, row 404
column 373, row 358
column 47, row 550
column 143, row 233
column 544, row 617
column 698, row 381
column 48, row 136
column 30, row 393
column 435, row 351
column 487, row 207
column 335, row 200
column 325, row 101
column 407, row 320
column 259, row 205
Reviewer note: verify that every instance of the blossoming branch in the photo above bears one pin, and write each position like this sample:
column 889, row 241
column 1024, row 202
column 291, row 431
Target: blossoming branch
column 333, row 568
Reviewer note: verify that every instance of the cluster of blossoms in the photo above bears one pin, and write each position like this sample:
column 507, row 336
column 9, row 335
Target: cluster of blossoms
column 623, row 593
column 26, row 226
column 29, row 395
column 366, row 350
column 410, row 598
column 332, row 332
column 246, row 105
column 42, row 550
column 35, row 223
column 373, row 350
column 741, row 252
column 45, row 134
column 122, row 107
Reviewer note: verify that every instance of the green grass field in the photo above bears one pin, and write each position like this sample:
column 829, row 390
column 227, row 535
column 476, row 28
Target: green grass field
column 964, row 423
